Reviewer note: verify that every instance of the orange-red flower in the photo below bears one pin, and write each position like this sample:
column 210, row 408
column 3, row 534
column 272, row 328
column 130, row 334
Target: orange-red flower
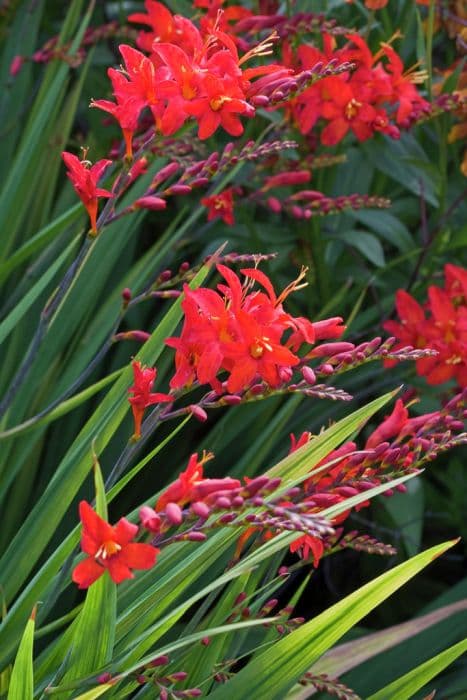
column 84, row 178
column 144, row 378
column 239, row 332
column 441, row 326
column 221, row 206
column 109, row 548
column 192, row 486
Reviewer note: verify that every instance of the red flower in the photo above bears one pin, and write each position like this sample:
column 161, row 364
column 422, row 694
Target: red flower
column 109, row 547
column 221, row 104
column 192, row 486
column 84, row 180
column 239, row 332
column 221, row 206
column 390, row 427
column 441, row 327
column 144, row 378
column 306, row 545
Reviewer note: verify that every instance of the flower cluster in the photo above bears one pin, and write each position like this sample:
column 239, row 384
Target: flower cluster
column 241, row 332
column 193, row 505
column 187, row 75
column 400, row 444
column 441, row 324
column 374, row 97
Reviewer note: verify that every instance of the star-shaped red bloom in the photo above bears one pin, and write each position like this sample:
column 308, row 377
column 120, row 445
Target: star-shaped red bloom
column 144, row 378
column 221, row 206
column 109, row 547
column 84, row 178
column 192, row 486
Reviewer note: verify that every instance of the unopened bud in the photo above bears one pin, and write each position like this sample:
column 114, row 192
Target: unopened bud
column 200, row 509
column 206, row 641
column 256, row 485
column 164, row 173
column 308, row 375
column 159, row 661
column 227, row 518
column 274, row 204
column 259, row 100
column 15, row 65
column 139, row 336
column 268, row 607
column 150, row 202
column 173, row 513
column 126, row 296
column 104, row 678
column 231, row 399
column 238, row 502
column 326, row 369
column 178, row 189
column 150, row 519
column 178, row 676
column 200, row 182
column 196, row 536
column 197, row 412
column 256, row 389
column 223, row 502
column 285, row 374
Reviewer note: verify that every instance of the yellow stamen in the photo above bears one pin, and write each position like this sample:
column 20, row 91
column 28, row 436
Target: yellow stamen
column 107, row 550
column 264, row 48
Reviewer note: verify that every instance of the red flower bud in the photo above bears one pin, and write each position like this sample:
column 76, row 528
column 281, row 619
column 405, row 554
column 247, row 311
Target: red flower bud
column 150, row 202
column 173, row 513
column 150, row 519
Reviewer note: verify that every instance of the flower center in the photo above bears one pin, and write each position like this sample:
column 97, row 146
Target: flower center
column 352, row 109
column 259, row 346
column 217, row 102
column 107, row 550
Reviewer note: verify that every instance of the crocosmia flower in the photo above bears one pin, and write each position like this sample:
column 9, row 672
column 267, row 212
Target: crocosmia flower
column 221, row 206
column 440, row 325
column 109, row 547
column 192, row 486
column 144, row 378
column 84, row 178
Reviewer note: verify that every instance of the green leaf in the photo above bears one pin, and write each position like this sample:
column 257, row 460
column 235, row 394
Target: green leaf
column 35, row 244
column 387, row 226
column 63, row 408
column 95, row 692
column 19, row 189
column 274, row 672
column 13, row 318
column 351, row 654
column 22, row 680
column 406, row 512
column 404, row 687
column 366, row 243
